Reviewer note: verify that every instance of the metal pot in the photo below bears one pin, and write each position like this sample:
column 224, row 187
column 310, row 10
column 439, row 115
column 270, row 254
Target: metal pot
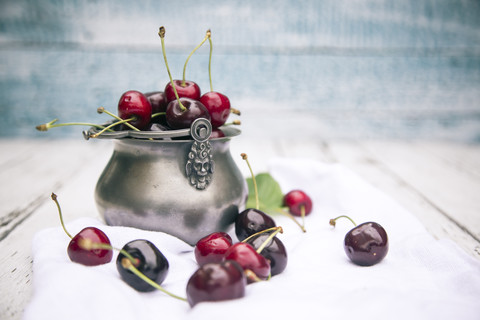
column 187, row 186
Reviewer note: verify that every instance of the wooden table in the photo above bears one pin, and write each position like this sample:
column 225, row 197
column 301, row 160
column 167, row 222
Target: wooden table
column 438, row 182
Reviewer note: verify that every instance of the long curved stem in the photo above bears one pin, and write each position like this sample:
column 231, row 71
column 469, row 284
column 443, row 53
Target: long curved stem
column 334, row 220
column 161, row 33
column 207, row 36
column 54, row 198
column 210, row 63
column 257, row 202
column 103, row 110
column 52, row 124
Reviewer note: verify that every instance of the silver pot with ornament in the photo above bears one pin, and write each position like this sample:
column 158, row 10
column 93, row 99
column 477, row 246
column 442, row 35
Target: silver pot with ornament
column 181, row 182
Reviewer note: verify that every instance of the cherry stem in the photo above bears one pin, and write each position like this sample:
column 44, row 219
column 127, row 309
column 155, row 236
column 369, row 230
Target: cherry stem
column 289, row 215
column 235, row 111
column 302, row 212
column 257, row 202
column 158, row 114
column 278, row 229
column 88, row 244
column 207, row 36
column 210, row 60
column 54, row 198
column 333, row 221
column 52, row 124
column 252, row 276
column 270, row 237
column 127, row 264
column 103, row 110
column 111, row 126
column 233, row 123
column 161, row 33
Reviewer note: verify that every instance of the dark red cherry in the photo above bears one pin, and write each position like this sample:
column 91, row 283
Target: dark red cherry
column 189, row 89
column 366, row 244
column 251, row 221
column 249, row 259
column 218, row 105
column 274, row 251
column 158, row 100
column 295, row 200
column 93, row 257
column 217, row 133
column 135, row 104
column 179, row 118
column 216, row 282
column 212, row 247
column 148, row 260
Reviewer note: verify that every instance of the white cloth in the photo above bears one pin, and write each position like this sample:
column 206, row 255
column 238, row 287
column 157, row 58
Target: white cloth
column 421, row 278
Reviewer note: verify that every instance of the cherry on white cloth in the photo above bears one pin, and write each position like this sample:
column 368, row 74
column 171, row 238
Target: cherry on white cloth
column 420, row 278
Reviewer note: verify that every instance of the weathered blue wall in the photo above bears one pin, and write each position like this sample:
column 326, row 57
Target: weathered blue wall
column 383, row 68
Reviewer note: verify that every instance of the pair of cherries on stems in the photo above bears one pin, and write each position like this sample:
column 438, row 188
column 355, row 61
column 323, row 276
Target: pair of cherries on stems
column 140, row 263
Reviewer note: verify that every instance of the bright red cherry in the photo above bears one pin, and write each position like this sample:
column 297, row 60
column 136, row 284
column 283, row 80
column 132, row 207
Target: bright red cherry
column 212, row 247
column 134, row 104
column 180, row 116
column 218, row 105
column 189, row 89
column 295, row 200
column 249, row 259
column 93, row 257
column 216, row 282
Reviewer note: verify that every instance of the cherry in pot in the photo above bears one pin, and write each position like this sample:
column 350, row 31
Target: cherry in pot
column 182, row 112
column 216, row 282
column 158, row 101
column 218, row 106
column 135, row 105
column 185, row 89
column 147, row 259
column 212, row 247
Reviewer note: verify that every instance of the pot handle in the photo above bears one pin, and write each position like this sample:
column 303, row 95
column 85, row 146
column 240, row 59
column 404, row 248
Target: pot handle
column 200, row 165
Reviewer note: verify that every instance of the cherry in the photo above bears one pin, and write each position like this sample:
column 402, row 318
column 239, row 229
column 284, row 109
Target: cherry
column 366, row 244
column 77, row 248
column 182, row 112
column 158, row 100
column 218, row 106
column 212, row 247
column 216, row 282
column 134, row 104
column 250, row 260
column 298, row 202
column 147, row 259
column 185, row 89
column 251, row 221
column 274, row 251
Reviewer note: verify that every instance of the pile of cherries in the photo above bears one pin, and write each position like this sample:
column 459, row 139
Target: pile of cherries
column 176, row 107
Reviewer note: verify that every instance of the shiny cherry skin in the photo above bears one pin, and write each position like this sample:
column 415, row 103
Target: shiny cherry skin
column 216, row 282
column 181, row 119
column 188, row 90
column 366, row 244
column 251, row 221
column 212, row 247
column 274, row 251
column 295, row 199
column 135, row 104
column 93, row 257
column 158, row 100
column 218, row 105
column 217, row 133
column 149, row 260
column 249, row 259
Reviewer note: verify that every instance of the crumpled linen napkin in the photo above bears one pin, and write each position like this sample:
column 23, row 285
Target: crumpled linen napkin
column 421, row 278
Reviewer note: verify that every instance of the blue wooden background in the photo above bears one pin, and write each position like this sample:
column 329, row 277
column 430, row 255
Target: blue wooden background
column 378, row 68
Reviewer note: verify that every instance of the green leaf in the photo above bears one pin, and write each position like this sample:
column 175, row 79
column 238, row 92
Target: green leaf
column 270, row 194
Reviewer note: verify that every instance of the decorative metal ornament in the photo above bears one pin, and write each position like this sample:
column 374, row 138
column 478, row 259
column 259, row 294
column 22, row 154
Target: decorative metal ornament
column 200, row 165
